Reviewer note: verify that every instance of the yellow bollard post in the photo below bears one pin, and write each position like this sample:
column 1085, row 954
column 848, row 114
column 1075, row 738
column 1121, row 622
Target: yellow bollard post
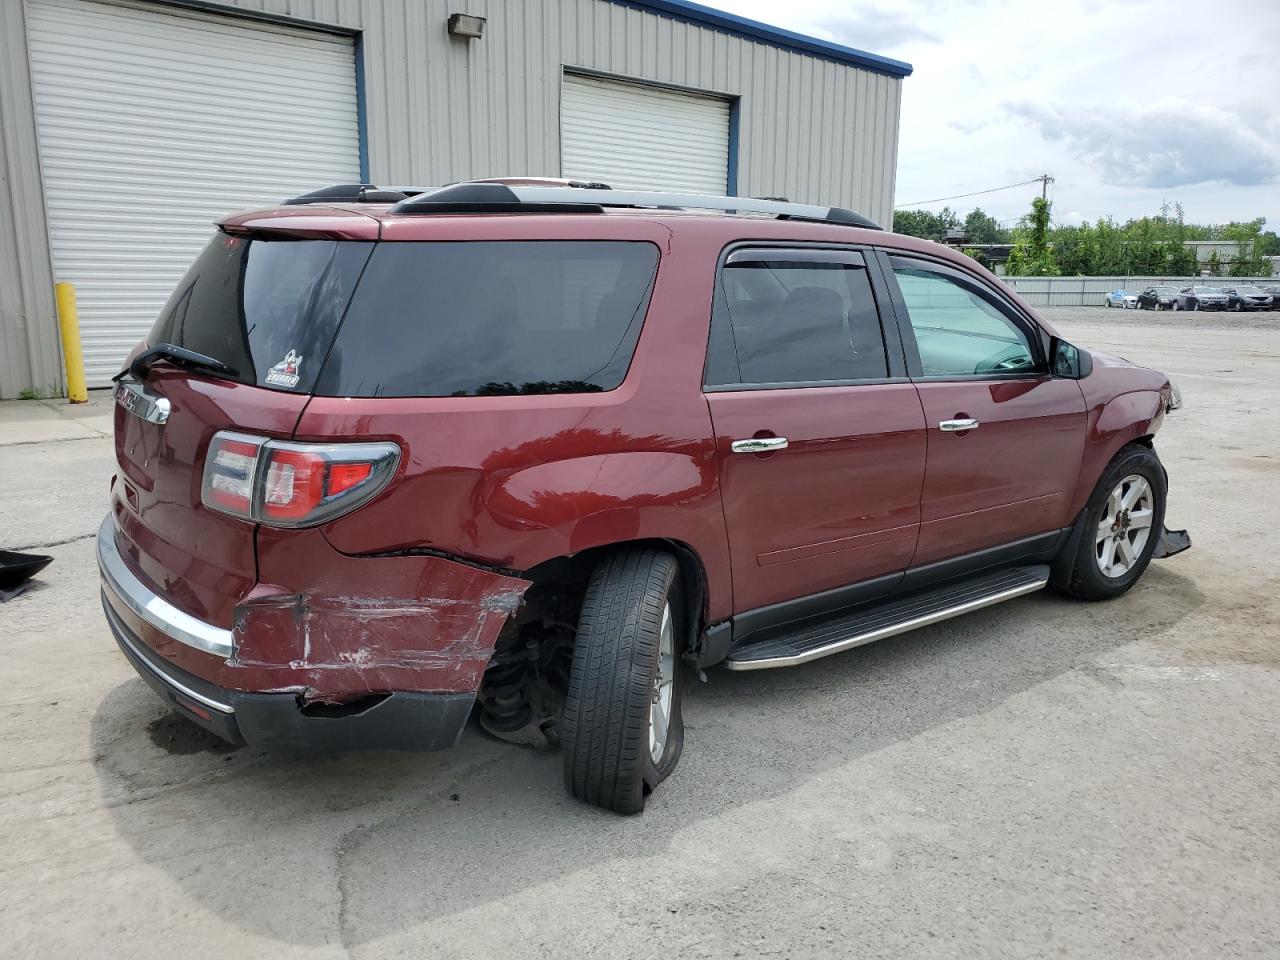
column 69, row 325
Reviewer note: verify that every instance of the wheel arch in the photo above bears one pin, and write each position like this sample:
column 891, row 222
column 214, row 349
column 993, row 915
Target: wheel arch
column 575, row 568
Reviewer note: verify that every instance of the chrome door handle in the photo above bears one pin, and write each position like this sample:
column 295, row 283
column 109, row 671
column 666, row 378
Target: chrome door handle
column 954, row 426
column 759, row 445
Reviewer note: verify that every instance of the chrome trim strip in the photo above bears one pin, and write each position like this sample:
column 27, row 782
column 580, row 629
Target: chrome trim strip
column 152, row 608
column 906, row 626
column 141, row 402
column 122, row 634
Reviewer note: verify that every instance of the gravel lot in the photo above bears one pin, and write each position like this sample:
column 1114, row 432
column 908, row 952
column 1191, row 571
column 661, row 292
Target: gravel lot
column 1039, row 778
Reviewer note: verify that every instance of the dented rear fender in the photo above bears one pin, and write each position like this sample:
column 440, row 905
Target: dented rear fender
column 333, row 626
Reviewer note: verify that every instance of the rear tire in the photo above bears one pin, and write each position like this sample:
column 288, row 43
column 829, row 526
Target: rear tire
column 1109, row 518
column 625, row 680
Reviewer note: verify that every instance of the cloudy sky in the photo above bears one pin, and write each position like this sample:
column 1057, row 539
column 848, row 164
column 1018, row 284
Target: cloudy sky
column 1126, row 104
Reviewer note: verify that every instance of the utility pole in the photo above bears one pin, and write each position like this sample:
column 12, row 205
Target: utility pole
column 1045, row 180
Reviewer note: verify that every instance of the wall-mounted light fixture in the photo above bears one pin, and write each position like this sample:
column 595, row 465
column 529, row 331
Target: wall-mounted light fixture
column 465, row 25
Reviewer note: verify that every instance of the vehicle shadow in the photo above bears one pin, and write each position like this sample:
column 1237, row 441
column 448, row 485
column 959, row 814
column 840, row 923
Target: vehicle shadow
column 380, row 843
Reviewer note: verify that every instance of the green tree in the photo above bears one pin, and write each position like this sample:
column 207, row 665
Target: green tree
column 979, row 227
column 1031, row 255
column 1073, row 249
column 1180, row 259
column 924, row 223
column 1215, row 264
column 1247, row 261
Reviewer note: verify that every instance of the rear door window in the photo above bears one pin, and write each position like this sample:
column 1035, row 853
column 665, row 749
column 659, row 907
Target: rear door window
column 486, row 318
column 785, row 317
column 267, row 308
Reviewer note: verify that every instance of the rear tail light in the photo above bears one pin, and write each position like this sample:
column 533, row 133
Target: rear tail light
column 287, row 484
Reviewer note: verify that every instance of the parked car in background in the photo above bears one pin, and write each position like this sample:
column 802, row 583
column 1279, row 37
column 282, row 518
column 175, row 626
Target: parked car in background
column 826, row 434
column 1247, row 297
column 1275, row 296
column 1122, row 298
column 1200, row 298
column 1157, row 298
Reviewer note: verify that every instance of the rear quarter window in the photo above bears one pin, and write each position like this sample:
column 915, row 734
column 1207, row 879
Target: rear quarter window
column 483, row 318
column 267, row 308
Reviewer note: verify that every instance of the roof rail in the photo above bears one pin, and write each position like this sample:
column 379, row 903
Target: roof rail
column 482, row 197
column 358, row 193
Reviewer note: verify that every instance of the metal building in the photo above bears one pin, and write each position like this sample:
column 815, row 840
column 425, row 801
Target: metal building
column 127, row 126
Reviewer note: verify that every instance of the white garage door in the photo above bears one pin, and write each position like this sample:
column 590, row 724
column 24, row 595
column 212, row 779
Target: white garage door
column 152, row 124
column 643, row 138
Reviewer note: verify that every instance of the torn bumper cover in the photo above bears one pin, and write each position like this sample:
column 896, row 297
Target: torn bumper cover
column 1171, row 542
column 384, row 652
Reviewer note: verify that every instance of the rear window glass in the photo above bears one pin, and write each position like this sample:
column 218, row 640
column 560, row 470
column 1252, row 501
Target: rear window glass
column 438, row 319
column 268, row 308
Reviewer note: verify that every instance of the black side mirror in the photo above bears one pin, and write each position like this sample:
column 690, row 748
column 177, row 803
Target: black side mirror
column 1068, row 361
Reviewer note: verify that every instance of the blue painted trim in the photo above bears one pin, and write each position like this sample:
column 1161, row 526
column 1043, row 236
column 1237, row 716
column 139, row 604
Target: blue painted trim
column 755, row 30
column 731, row 179
column 362, row 113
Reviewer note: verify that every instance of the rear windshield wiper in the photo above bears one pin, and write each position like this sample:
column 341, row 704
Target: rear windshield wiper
column 179, row 357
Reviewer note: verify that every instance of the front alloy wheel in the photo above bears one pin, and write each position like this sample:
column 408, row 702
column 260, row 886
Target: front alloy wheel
column 1121, row 526
column 1125, row 526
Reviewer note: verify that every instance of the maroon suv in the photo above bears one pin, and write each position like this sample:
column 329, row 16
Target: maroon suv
column 387, row 457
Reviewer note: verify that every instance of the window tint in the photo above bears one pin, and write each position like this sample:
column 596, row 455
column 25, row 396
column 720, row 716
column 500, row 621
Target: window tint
column 263, row 304
column 958, row 331
column 796, row 321
column 489, row 318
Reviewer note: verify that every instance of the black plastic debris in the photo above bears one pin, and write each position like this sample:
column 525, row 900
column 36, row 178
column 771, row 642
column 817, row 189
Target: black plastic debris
column 18, row 568
column 1171, row 542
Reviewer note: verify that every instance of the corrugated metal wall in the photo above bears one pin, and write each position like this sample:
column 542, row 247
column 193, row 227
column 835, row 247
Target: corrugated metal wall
column 29, row 352
column 442, row 109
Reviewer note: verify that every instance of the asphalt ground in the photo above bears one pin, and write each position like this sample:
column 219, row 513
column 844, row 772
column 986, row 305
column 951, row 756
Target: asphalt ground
column 1040, row 778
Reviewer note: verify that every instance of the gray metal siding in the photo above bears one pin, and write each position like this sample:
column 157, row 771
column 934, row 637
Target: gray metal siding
column 442, row 109
column 29, row 351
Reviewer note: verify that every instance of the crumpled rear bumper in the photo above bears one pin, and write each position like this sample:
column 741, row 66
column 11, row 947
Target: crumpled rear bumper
column 278, row 722
column 378, row 652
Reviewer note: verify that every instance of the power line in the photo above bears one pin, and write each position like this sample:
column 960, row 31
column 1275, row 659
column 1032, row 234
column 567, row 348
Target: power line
column 1043, row 180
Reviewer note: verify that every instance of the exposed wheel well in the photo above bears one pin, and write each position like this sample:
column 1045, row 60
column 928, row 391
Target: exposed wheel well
column 527, row 676
column 568, row 575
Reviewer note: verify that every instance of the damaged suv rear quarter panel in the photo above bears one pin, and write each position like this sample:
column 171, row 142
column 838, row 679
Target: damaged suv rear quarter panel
column 354, row 629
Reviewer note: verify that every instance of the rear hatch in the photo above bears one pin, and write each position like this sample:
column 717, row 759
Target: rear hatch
column 266, row 305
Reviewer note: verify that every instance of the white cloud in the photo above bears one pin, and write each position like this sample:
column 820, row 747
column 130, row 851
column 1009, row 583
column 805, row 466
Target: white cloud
column 1125, row 105
column 1173, row 146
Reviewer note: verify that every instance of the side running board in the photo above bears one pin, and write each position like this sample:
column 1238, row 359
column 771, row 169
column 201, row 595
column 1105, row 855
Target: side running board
column 814, row 639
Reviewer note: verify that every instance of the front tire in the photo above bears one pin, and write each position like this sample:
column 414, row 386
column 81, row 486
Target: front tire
column 1122, row 525
column 622, row 732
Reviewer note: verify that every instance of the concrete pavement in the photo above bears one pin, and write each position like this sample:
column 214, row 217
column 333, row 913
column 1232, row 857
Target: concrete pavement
column 1039, row 778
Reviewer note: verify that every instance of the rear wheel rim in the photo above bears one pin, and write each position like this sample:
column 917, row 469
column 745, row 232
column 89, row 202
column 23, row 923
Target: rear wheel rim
column 1125, row 526
column 663, row 688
